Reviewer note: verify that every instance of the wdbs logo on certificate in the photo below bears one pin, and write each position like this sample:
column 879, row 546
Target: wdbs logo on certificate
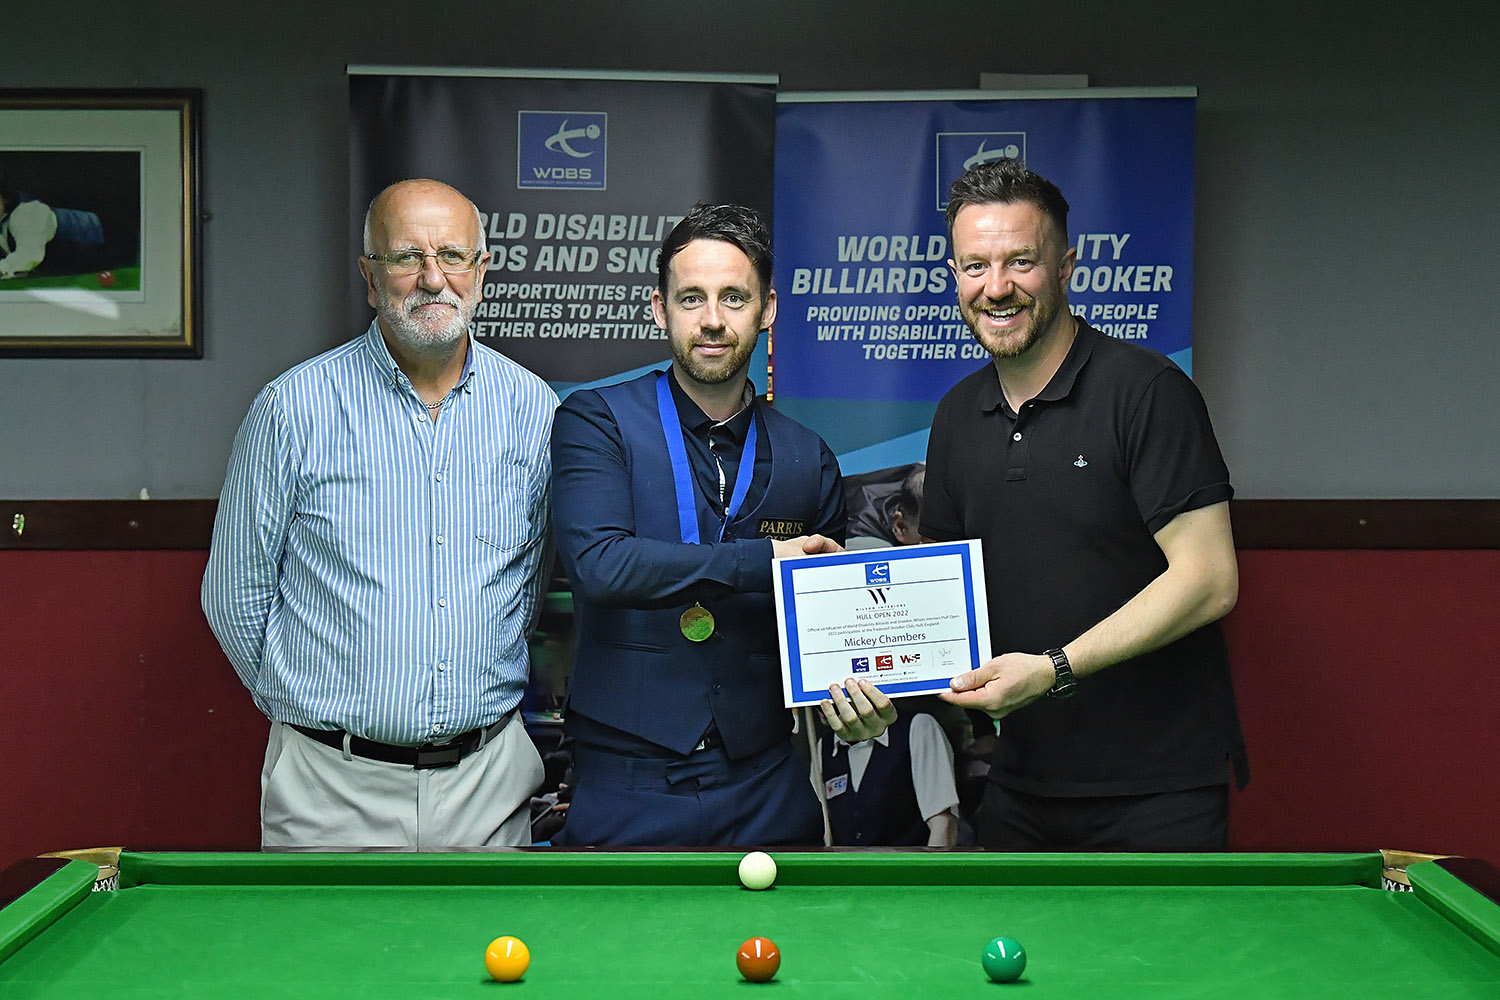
column 562, row 150
column 916, row 614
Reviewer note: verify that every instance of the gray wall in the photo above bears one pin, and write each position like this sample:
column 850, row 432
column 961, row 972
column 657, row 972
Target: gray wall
column 1347, row 204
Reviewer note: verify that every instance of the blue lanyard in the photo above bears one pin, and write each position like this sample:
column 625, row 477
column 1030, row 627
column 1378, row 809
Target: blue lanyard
column 682, row 473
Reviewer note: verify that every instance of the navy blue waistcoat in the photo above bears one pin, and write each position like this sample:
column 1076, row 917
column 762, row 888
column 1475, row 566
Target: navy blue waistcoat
column 633, row 668
column 884, row 812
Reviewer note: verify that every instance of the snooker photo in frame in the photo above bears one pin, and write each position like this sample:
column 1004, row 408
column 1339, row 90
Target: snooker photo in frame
column 99, row 224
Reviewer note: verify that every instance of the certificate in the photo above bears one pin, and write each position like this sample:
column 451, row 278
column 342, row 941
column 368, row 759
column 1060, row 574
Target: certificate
column 907, row 619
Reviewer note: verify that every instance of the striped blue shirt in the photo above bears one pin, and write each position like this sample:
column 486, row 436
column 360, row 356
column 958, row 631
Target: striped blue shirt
column 374, row 569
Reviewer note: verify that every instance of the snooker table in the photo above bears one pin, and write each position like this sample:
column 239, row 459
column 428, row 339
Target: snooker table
column 660, row 925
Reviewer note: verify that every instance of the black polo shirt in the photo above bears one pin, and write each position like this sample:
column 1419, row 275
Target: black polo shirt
column 1066, row 497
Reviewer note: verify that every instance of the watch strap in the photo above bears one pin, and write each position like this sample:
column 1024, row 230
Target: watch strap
column 1065, row 683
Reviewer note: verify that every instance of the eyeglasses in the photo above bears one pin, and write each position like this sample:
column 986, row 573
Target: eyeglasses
column 451, row 260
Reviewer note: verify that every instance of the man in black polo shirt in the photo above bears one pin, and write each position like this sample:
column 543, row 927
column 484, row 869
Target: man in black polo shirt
column 1088, row 468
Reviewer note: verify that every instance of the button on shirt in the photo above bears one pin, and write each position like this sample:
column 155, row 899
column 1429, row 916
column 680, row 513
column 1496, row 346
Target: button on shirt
column 374, row 569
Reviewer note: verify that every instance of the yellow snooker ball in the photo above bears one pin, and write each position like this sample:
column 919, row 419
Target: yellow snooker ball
column 506, row 959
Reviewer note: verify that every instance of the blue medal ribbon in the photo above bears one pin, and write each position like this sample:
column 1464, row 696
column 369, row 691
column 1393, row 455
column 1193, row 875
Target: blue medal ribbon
column 682, row 473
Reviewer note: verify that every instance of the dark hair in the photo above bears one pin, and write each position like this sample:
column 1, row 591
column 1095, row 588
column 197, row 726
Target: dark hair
column 733, row 224
column 909, row 497
column 1005, row 182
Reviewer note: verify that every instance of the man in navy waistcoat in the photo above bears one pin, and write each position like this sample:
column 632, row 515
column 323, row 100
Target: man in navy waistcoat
column 673, row 493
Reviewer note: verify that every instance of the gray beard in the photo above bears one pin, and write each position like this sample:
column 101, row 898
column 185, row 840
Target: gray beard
column 437, row 344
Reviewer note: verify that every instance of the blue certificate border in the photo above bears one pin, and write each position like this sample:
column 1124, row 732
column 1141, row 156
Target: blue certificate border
column 787, row 568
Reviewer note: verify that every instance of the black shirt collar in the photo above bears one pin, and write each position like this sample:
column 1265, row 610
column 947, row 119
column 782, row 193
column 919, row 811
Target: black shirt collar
column 698, row 423
column 1060, row 386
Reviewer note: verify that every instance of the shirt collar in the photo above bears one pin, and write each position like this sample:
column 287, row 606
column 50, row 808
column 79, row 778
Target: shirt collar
column 697, row 422
column 884, row 739
column 392, row 373
column 1060, row 386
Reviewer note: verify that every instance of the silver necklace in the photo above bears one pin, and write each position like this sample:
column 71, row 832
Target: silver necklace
column 433, row 406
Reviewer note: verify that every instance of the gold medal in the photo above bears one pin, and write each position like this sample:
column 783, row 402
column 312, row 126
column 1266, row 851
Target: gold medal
column 697, row 623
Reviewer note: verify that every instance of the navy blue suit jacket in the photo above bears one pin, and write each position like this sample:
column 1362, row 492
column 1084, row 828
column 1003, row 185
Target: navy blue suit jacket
column 616, row 525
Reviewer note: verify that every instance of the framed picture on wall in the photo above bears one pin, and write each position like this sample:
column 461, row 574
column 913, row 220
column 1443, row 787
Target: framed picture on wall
column 100, row 224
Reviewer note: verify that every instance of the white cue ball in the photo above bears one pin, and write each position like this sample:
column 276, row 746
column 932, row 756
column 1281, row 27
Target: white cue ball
column 757, row 870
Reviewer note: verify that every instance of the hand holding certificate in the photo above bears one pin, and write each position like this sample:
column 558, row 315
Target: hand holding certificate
column 907, row 619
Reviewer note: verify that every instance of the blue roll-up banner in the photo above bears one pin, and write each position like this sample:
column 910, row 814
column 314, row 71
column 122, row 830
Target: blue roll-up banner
column 868, row 335
column 578, row 176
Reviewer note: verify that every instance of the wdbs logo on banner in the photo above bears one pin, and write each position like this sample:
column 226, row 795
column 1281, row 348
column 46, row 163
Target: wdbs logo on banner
column 958, row 151
column 860, row 664
column 877, row 573
column 562, row 150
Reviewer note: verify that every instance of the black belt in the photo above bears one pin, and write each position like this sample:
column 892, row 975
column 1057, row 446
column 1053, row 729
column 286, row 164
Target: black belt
column 711, row 740
column 427, row 755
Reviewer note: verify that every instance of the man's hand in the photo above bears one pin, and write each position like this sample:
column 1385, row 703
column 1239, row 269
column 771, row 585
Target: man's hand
column 803, row 545
column 1003, row 684
column 863, row 715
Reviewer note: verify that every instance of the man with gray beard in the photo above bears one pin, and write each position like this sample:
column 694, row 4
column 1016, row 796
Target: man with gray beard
column 378, row 557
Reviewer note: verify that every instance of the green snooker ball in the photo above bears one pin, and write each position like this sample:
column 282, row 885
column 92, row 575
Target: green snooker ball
column 1004, row 960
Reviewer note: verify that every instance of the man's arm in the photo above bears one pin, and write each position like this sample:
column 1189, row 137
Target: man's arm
column 933, row 780
column 942, row 830
column 594, row 522
column 250, row 531
column 1200, row 585
column 539, row 553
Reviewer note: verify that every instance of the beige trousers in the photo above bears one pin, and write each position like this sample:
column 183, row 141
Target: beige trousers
column 313, row 798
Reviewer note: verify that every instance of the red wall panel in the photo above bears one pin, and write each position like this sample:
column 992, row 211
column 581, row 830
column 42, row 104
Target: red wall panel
column 120, row 720
column 1368, row 683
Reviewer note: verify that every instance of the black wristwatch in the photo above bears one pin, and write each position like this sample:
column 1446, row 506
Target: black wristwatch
column 1065, row 682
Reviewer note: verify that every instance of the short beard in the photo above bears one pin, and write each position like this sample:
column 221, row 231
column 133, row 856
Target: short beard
column 1044, row 315
column 719, row 372
column 419, row 339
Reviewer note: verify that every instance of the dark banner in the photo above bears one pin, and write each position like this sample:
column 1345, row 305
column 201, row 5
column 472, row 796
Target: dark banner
column 577, row 180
